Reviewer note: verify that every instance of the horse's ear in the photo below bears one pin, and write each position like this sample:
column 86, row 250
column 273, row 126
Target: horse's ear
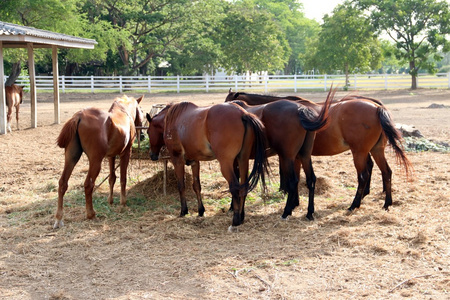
column 138, row 100
column 236, row 95
column 230, row 91
column 149, row 119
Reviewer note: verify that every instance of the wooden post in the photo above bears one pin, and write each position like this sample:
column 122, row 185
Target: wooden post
column 2, row 94
column 55, row 84
column 31, row 72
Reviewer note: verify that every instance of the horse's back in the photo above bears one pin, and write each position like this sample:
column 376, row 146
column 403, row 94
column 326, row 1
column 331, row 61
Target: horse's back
column 354, row 124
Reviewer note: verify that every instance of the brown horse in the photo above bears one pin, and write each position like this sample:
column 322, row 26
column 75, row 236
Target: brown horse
column 14, row 97
column 360, row 124
column 225, row 132
column 290, row 130
column 99, row 134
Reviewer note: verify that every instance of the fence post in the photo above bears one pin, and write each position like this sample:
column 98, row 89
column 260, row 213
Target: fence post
column 149, row 84
column 63, row 84
column 178, row 84
column 266, row 81
column 325, row 83
column 235, row 83
column 385, row 81
column 355, row 81
column 92, row 83
column 120, row 84
column 448, row 77
column 207, row 82
column 295, row 83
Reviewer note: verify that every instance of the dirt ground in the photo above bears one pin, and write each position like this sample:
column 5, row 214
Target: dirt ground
column 145, row 251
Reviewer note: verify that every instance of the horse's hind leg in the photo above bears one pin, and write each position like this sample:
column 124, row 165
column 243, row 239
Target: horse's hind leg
column 386, row 173
column 369, row 169
column 94, row 170
column 72, row 156
column 311, row 184
column 112, row 178
column 17, row 116
column 288, row 184
column 360, row 161
column 8, row 118
column 197, row 187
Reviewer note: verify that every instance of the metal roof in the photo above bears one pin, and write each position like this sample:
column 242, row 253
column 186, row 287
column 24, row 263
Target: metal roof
column 17, row 36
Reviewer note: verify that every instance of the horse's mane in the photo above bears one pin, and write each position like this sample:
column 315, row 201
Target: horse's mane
column 174, row 111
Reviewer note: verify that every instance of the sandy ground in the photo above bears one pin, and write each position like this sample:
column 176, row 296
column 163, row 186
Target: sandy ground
column 144, row 251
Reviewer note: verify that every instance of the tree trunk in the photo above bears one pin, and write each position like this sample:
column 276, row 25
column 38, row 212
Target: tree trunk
column 15, row 72
column 413, row 72
column 347, row 81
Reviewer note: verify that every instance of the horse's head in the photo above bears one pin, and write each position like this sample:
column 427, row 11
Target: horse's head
column 140, row 117
column 231, row 96
column 155, row 133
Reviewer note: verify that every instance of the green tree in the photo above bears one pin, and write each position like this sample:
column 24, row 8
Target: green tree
column 252, row 40
column 60, row 16
column 418, row 28
column 297, row 28
column 150, row 28
column 346, row 42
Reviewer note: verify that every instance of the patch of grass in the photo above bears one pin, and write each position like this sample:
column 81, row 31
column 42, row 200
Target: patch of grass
column 414, row 144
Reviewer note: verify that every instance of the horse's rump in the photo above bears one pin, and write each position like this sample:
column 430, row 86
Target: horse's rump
column 69, row 131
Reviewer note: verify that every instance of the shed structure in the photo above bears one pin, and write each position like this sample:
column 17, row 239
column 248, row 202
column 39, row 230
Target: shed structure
column 17, row 36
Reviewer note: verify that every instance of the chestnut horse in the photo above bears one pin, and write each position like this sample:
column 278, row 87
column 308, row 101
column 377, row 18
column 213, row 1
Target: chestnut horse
column 225, row 132
column 357, row 123
column 14, row 97
column 290, row 130
column 99, row 134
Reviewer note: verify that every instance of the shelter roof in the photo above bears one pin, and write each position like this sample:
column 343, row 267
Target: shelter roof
column 18, row 36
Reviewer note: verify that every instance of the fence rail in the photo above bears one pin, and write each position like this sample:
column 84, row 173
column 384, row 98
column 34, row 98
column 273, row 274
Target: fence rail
column 207, row 83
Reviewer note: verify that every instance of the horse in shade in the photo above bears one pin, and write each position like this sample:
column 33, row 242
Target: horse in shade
column 13, row 97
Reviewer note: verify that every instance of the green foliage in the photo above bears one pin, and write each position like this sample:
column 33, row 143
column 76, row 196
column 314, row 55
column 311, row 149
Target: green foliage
column 252, row 40
column 422, row 144
column 418, row 28
column 346, row 42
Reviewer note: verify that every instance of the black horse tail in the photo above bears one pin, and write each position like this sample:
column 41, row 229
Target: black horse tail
column 309, row 118
column 395, row 139
column 260, row 164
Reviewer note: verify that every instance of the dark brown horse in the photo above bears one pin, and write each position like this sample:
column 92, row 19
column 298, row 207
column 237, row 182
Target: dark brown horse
column 225, row 132
column 360, row 124
column 290, row 130
column 14, row 97
column 99, row 134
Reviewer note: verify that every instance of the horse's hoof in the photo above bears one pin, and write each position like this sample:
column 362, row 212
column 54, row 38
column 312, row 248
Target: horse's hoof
column 58, row 224
column 310, row 217
column 233, row 228
column 284, row 218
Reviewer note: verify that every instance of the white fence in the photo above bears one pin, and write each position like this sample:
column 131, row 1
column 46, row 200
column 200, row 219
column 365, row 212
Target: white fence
column 155, row 84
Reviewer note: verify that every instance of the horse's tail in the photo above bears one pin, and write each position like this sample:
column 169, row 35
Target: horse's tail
column 260, row 164
column 308, row 116
column 68, row 132
column 395, row 138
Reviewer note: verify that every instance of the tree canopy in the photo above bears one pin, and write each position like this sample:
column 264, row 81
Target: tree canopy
column 195, row 37
column 346, row 42
column 418, row 28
